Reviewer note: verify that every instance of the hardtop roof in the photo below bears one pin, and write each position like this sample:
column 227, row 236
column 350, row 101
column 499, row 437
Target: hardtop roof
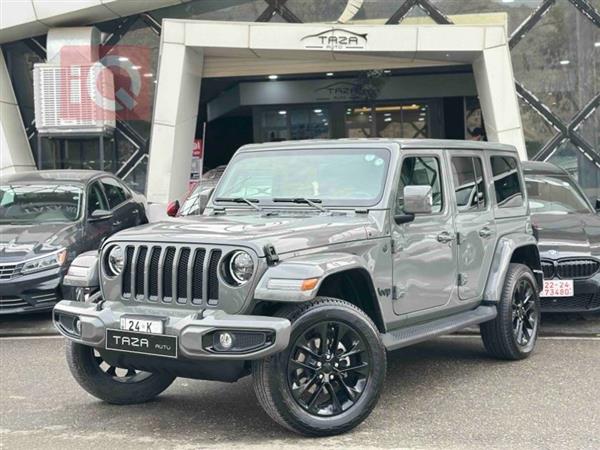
column 448, row 144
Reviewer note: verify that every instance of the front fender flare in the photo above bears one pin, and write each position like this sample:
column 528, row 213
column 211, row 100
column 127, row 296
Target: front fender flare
column 502, row 258
column 318, row 266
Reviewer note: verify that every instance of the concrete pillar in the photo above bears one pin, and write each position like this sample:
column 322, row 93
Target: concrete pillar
column 15, row 152
column 497, row 95
column 175, row 115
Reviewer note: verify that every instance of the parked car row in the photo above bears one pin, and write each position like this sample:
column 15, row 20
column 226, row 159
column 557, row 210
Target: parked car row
column 49, row 217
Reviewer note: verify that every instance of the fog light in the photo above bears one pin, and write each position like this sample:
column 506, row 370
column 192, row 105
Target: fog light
column 225, row 340
column 77, row 325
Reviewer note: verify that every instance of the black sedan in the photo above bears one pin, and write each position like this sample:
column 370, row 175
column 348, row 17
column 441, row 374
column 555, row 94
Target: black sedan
column 568, row 230
column 49, row 217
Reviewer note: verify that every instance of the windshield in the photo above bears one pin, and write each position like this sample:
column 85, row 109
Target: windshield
column 40, row 203
column 555, row 195
column 347, row 177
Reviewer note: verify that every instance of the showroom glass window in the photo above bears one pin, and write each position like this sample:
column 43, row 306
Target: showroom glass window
column 507, row 183
column 420, row 171
column 469, row 184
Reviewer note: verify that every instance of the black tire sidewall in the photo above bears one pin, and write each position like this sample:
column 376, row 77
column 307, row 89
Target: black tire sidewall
column 94, row 380
column 292, row 412
column 516, row 273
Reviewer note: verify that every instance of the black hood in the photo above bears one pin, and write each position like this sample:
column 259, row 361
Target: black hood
column 568, row 235
column 19, row 242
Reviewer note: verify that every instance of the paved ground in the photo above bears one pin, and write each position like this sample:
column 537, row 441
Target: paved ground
column 443, row 394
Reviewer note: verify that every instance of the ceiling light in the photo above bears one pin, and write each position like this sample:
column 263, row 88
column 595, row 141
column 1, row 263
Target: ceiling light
column 387, row 71
column 421, row 119
column 148, row 75
column 283, row 112
column 564, row 62
column 329, row 74
column 273, row 77
column 123, row 58
column 318, row 111
column 387, row 114
column 136, row 67
column 387, row 119
column 597, row 44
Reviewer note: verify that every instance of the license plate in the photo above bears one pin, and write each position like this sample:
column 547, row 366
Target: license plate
column 141, row 325
column 558, row 288
column 142, row 343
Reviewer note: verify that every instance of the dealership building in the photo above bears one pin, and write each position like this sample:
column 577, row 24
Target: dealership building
column 223, row 73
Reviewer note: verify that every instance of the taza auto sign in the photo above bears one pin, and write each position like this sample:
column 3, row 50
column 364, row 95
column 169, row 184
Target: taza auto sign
column 335, row 39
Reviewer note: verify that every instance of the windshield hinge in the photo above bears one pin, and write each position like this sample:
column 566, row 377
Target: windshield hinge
column 271, row 254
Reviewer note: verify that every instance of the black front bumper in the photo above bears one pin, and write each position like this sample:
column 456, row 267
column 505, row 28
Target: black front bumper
column 585, row 300
column 29, row 293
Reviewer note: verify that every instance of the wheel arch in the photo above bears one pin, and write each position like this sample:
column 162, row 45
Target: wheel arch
column 340, row 275
column 518, row 248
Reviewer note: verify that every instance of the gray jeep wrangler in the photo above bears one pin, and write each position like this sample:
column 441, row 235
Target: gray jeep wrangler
column 311, row 260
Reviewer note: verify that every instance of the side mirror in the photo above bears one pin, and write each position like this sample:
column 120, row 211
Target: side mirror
column 173, row 208
column 598, row 205
column 100, row 215
column 417, row 200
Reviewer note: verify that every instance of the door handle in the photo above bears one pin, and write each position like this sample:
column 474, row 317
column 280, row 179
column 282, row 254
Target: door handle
column 136, row 211
column 485, row 232
column 445, row 237
column 116, row 223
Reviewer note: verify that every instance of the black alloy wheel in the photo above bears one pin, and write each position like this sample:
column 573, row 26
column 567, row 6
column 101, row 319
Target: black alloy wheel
column 524, row 313
column 119, row 374
column 328, row 369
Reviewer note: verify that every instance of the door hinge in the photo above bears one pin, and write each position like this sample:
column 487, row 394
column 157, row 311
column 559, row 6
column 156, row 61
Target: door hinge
column 462, row 279
column 397, row 293
column 393, row 246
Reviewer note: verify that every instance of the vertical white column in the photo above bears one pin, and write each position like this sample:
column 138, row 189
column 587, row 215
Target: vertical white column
column 495, row 82
column 15, row 152
column 175, row 115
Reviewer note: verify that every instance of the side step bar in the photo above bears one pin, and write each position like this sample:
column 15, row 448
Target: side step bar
column 418, row 333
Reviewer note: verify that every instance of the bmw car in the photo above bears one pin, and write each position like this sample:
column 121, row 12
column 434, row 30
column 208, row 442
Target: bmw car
column 47, row 218
column 568, row 231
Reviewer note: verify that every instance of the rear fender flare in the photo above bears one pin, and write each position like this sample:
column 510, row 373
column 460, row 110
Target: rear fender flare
column 505, row 249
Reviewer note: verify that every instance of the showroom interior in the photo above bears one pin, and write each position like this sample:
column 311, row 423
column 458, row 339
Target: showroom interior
column 554, row 46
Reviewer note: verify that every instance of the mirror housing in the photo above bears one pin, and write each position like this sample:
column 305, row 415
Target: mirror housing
column 417, row 200
column 173, row 208
column 100, row 215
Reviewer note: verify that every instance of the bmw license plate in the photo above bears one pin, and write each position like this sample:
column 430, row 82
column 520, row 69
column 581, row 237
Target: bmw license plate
column 558, row 288
column 142, row 343
column 142, row 325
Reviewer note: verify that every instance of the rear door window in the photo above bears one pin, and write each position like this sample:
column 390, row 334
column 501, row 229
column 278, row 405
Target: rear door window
column 469, row 184
column 507, row 183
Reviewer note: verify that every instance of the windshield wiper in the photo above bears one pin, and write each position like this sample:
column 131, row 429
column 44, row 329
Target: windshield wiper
column 247, row 201
column 307, row 201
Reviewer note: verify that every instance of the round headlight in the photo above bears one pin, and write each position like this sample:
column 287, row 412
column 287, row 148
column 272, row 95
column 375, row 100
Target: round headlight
column 241, row 267
column 115, row 260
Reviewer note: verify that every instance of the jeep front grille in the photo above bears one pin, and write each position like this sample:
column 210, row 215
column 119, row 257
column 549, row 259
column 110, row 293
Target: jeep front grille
column 171, row 274
column 570, row 268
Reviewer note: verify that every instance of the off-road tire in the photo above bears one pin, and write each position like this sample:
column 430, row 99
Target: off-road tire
column 270, row 375
column 87, row 372
column 499, row 335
